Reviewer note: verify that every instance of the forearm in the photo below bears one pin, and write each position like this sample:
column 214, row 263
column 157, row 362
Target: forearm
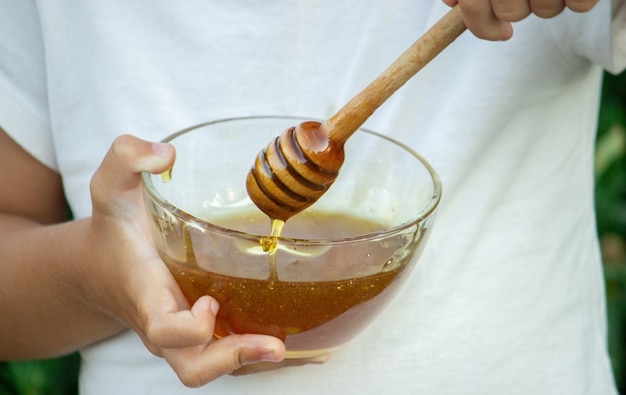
column 44, row 311
column 68, row 285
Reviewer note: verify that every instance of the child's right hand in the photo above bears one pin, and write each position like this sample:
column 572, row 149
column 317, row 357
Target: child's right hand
column 491, row 19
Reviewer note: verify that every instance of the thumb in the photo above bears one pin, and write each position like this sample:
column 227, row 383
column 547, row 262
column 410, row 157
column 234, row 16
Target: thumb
column 197, row 366
column 119, row 172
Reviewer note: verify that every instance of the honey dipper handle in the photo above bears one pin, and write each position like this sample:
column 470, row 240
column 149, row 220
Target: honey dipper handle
column 351, row 116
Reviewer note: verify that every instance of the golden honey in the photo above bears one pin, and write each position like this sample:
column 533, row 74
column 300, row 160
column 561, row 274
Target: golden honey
column 311, row 317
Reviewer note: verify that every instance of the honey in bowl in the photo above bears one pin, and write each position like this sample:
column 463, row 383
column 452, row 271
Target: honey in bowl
column 311, row 317
column 335, row 266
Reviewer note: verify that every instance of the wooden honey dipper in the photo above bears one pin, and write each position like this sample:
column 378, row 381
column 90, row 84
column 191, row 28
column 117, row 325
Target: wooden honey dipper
column 297, row 167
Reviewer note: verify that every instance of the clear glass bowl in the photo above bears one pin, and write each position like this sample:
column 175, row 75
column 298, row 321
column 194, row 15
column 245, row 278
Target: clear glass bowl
column 338, row 263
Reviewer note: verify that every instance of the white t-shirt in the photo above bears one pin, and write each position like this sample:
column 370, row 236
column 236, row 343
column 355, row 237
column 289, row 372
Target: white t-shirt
column 508, row 297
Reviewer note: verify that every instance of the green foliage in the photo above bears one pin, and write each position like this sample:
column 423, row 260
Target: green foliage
column 48, row 377
column 610, row 195
column 611, row 158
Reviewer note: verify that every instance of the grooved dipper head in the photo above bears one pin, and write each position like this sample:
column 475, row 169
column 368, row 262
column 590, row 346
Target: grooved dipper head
column 294, row 170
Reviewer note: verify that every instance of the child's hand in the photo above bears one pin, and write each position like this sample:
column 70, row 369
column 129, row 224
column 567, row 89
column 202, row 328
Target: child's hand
column 124, row 277
column 491, row 19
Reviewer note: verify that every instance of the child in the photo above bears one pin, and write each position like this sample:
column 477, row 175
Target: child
column 508, row 296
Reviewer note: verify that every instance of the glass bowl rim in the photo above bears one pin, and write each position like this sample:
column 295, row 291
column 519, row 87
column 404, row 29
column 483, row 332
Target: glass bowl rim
column 193, row 221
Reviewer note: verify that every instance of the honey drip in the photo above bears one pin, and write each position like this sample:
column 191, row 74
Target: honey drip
column 270, row 245
column 166, row 176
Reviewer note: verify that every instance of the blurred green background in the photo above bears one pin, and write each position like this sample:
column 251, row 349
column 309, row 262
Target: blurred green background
column 610, row 195
column 58, row 376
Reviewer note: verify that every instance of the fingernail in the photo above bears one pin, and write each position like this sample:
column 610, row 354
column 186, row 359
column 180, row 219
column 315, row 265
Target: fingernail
column 161, row 149
column 214, row 306
column 270, row 356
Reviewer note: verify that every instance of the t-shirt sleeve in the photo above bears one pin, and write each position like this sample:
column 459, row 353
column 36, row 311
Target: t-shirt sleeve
column 598, row 36
column 602, row 35
column 618, row 33
column 24, row 111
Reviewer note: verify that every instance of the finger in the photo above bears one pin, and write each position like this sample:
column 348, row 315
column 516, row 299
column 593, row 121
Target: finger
column 197, row 366
column 547, row 8
column 510, row 10
column 482, row 22
column 580, row 5
column 451, row 3
column 165, row 325
column 269, row 366
column 126, row 158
